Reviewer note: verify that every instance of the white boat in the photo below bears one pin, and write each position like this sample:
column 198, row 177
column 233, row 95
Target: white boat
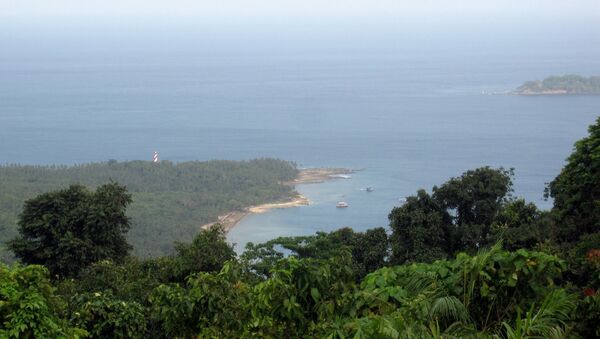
column 341, row 204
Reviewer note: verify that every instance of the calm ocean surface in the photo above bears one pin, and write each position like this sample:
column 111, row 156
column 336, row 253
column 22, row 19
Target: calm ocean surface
column 409, row 122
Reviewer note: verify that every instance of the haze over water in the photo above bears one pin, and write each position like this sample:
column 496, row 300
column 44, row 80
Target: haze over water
column 400, row 100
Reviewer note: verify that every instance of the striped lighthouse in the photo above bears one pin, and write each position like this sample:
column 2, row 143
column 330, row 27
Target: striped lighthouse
column 155, row 157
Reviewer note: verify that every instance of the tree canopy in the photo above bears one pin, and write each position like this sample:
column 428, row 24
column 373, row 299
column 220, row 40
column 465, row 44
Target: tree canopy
column 456, row 217
column 420, row 229
column 207, row 252
column 69, row 229
column 170, row 200
column 576, row 190
column 476, row 196
column 369, row 250
column 467, row 261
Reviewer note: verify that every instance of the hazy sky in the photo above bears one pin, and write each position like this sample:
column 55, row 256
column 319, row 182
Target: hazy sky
column 364, row 25
column 24, row 10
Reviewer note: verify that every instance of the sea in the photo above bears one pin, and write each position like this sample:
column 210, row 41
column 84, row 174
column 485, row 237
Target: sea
column 404, row 118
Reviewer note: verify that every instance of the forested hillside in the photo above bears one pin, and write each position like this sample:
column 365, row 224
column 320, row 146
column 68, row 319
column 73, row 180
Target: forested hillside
column 464, row 259
column 170, row 201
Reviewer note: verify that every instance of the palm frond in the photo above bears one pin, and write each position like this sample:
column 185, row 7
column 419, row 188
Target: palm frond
column 471, row 272
column 547, row 321
column 555, row 310
column 419, row 282
column 449, row 308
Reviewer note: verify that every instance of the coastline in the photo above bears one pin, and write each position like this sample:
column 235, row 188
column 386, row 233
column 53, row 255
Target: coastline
column 305, row 176
column 318, row 175
column 528, row 93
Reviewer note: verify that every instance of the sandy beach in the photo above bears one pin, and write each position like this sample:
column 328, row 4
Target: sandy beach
column 306, row 176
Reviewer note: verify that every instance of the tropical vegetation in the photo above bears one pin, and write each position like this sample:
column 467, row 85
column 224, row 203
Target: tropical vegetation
column 169, row 201
column 464, row 260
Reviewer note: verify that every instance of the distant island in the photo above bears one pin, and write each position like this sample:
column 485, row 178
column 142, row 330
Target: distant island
column 561, row 85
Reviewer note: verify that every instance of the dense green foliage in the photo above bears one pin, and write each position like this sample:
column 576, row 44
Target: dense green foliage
column 576, row 190
column 420, row 229
column 207, row 252
column 29, row 306
column 70, row 229
column 476, row 196
column 458, row 216
column 467, row 296
column 170, row 201
column 521, row 225
column 466, row 261
column 103, row 316
column 566, row 84
column 133, row 279
column 494, row 293
column 369, row 250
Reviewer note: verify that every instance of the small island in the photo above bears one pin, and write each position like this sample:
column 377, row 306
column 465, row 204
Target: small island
column 561, row 85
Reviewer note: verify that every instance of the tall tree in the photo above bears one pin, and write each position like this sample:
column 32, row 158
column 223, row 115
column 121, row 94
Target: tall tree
column 576, row 190
column 420, row 228
column 208, row 252
column 477, row 195
column 69, row 229
column 371, row 250
column 456, row 217
column 474, row 199
column 519, row 224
